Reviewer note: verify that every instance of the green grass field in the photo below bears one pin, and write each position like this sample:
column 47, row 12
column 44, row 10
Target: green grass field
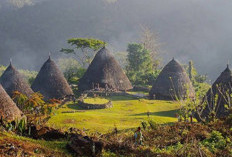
column 96, row 100
column 127, row 113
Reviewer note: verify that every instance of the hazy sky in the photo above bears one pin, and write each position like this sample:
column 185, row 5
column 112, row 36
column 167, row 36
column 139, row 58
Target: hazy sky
column 200, row 30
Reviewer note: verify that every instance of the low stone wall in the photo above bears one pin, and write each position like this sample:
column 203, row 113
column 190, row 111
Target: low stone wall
column 141, row 88
column 94, row 106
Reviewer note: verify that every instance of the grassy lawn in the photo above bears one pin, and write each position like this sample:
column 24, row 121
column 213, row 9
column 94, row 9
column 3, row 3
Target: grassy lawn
column 138, row 93
column 96, row 100
column 127, row 113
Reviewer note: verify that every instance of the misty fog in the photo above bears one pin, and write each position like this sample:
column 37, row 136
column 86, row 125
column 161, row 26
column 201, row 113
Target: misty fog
column 198, row 30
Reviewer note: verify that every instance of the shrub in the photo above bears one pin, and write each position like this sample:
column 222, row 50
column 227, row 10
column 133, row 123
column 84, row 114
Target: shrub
column 215, row 141
column 153, row 124
column 144, row 124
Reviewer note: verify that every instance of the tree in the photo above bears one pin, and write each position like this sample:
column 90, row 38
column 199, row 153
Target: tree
column 150, row 42
column 139, row 68
column 86, row 47
column 193, row 74
column 34, row 107
column 198, row 81
column 69, row 67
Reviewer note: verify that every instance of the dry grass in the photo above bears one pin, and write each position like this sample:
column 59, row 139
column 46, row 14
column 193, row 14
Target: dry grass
column 13, row 145
column 177, row 140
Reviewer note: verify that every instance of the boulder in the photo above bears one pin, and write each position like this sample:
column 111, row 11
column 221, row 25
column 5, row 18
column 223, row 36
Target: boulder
column 47, row 133
column 85, row 146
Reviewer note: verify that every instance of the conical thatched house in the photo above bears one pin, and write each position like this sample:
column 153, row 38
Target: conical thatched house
column 12, row 80
column 50, row 82
column 104, row 72
column 218, row 96
column 172, row 83
column 8, row 109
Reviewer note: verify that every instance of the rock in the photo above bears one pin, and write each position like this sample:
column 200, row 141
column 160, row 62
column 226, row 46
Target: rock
column 50, row 134
column 84, row 146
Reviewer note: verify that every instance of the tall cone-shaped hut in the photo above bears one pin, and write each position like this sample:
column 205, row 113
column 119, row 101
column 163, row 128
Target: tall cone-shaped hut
column 8, row 109
column 172, row 83
column 104, row 72
column 12, row 80
column 50, row 82
column 217, row 97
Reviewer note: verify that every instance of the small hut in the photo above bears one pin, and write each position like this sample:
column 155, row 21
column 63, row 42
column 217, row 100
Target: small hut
column 8, row 109
column 172, row 83
column 218, row 96
column 104, row 72
column 51, row 83
column 12, row 80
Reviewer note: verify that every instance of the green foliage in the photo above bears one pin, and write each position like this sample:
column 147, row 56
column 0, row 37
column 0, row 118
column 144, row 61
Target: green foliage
column 2, row 69
column 138, row 58
column 215, row 141
column 198, row 81
column 20, row 99
column 29, row 75
column 9, row 127
column 21, row 126
column 193, row 74
column 31, row 80
column 149, row 78
column 34, row 107
column 81, row 72
column 140, row 67
column 69, row 67
column 72, row 70
column 153, row 124
column 109, row 154
column 81, row 43
column 144, row 125
column 86, row 46
column 201, row 89
column 73, row 80
column 35, row 103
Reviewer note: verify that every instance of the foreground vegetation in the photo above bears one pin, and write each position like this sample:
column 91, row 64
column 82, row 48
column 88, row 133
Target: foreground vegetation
column 173, row 140
column 115, row 128
column 14, row 145
column 177, row 140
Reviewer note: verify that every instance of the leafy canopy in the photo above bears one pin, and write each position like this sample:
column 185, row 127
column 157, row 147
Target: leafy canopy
column 140, row 67
column 86, row 46
column 83, row 43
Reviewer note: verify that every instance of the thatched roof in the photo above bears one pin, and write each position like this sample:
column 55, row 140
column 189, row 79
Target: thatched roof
column 8, row 109
column 106, row 72
column 50, row 82
column 12, row 80
column 218, row 96
column 173, row 82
